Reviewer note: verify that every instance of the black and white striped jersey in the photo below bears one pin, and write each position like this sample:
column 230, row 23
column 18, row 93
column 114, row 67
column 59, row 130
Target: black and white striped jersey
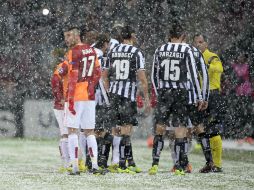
column 123, row 63
column 113, row 43
column 101, row 96
column 202, row 74
column 174, row 67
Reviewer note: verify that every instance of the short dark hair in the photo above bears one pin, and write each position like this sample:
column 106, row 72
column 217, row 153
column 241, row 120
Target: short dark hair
column 116, row 33
column 101, row 39
column 176, row 31
column 126, row 32
column 199, row 34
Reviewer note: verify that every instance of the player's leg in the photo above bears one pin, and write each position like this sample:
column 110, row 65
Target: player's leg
column 82, row 157
column 88, row 124
column 180, row 116
column 128, row 119
column 161, row 120
column 72, row 122
column 63, row 143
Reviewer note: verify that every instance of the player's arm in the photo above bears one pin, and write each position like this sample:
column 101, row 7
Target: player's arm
column 192, row 69
column 57, row 91
column 216, row 65
column 154, row 74
column 141, row 75
column 73, row 78
column 205, row 79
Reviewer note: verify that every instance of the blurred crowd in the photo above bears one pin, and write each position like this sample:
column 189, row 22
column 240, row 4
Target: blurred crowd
column 28, row 37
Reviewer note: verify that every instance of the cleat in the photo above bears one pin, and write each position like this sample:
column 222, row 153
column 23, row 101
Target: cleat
column 135, row 169
column 74, row 173
column 62, row 170
column 217, row 169
column 179, row 172
column 188, row 168
column 209, row 167
column 113, row 168
column 173, row 169
column 81, row 166
column 97, row 171
column 120, row 170
column 153, row 170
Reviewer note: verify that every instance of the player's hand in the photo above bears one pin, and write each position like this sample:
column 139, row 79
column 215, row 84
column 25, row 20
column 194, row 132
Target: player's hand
column 71, row 106
column 91, row 91
column 204, row 106
column 199, row 105
column 153, row 102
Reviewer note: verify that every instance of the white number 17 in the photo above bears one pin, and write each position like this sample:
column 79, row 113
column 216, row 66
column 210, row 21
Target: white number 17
column 90, row 70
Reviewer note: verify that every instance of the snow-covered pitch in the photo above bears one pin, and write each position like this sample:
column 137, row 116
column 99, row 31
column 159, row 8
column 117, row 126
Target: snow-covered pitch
column 33, row 164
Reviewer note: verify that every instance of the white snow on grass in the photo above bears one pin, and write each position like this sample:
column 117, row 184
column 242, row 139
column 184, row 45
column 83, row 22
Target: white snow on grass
column 33, row 164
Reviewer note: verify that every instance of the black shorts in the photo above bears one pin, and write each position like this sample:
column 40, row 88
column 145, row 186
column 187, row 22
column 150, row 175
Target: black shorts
column 103, row 119
column 215, row 113
column 172, row 103
column 123, row 111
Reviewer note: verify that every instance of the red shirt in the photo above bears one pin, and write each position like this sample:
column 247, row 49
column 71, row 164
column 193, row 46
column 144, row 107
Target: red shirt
column 85, row 70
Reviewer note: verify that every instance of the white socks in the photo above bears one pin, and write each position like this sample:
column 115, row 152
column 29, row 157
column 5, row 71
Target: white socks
column 65, row 152
column 73, row 150
column 82, row 144
column 116, row 154
column 93, row 150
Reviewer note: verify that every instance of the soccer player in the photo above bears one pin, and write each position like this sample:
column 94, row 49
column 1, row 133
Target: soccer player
column 103, row 120
column 59, row 83
column 215, row 70
column 115, row 40
column 126, row 66
column 84, row 76
column 173, row 68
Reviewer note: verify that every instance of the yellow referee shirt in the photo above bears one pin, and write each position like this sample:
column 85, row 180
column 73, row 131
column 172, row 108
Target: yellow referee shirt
column 215, row 69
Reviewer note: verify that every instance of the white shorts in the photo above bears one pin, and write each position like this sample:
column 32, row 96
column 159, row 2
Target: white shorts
column 60, row 120
column 85, row 115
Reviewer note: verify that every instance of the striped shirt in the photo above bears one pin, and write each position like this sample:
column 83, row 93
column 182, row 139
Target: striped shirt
column 101, row 96
column 123, row 63
column 202, row 74
column 174, row 66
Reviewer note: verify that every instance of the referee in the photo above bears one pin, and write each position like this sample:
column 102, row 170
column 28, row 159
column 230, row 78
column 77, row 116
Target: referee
column 214, row 116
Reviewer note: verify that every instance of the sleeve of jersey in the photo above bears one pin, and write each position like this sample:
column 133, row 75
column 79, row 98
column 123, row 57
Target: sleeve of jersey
column 140, row 60
column 205, row 79
column 57, row 89
column 73, row 77
column 154, row 74
column 216, row 66
column 192, row 69
column 96, row 73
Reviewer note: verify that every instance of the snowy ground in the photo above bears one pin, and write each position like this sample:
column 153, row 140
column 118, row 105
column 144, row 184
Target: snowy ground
column 27, row 164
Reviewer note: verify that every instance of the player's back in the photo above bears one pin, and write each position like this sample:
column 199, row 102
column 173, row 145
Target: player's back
column 83, row 59
column 124, row 60
column 172, row 63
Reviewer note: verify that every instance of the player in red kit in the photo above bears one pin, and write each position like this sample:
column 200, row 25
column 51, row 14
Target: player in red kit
column 59, row 83
column 84, row 76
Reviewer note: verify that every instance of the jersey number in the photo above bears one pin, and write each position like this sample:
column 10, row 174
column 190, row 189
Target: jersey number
column 172, row 69
column 122, row 69
column 90, row 70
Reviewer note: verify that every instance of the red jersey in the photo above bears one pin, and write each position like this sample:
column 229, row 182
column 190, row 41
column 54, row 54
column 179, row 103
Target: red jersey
column 84, row 72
